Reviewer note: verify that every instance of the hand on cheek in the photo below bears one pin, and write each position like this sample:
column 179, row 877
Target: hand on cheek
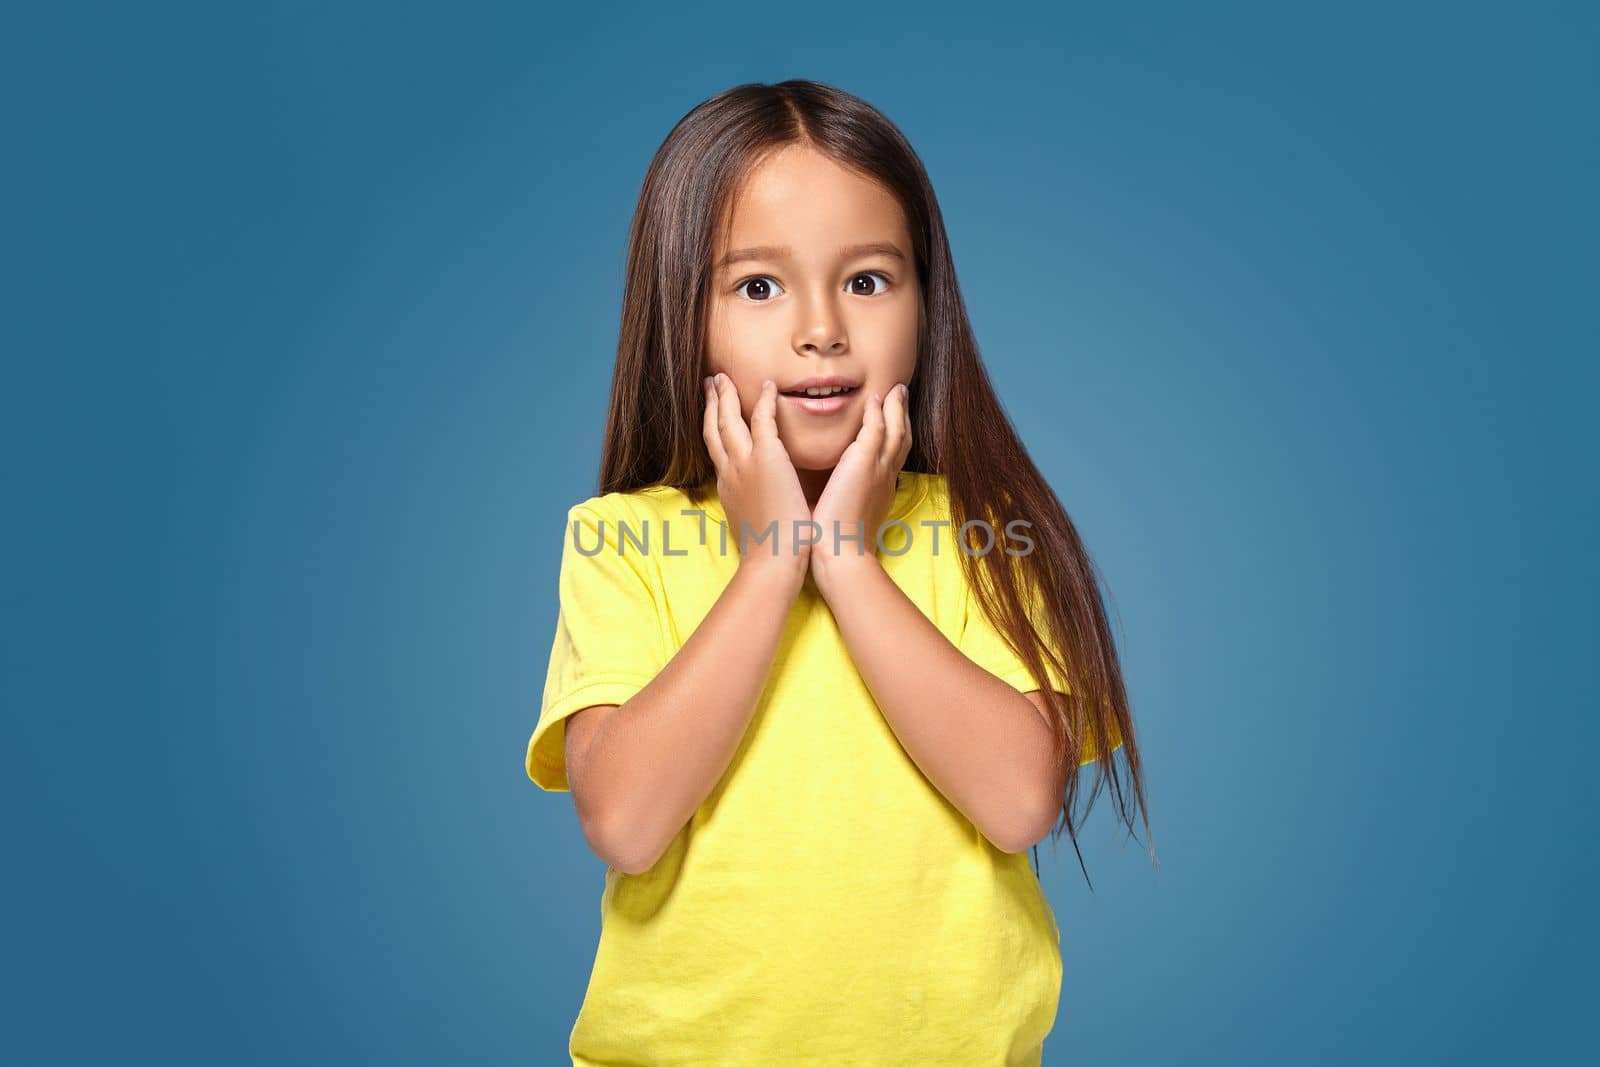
column 756, row 481
column 862, row 487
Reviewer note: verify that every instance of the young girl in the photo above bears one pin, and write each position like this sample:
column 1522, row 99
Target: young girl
column 829, row 652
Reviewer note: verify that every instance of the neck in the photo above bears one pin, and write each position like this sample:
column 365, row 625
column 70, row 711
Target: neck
column 811, row 484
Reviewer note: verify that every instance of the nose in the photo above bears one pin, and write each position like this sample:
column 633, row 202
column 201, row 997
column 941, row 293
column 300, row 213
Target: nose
column 823, row 330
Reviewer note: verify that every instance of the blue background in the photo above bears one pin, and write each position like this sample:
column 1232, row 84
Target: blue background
column 309, row 316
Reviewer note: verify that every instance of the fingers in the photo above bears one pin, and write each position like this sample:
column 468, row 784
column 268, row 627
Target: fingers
column 730, row 420
column 905, row 445
column 897, row 426
column 764, row 419
column 871, row 435
column 708, row 427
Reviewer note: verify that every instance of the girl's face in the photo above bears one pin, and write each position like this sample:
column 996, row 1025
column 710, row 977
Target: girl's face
column 814, row 279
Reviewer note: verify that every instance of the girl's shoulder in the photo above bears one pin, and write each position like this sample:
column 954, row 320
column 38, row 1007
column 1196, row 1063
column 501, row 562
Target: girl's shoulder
column 929, row 494
column 936, row 490
column 928, row 497
column 651, row 503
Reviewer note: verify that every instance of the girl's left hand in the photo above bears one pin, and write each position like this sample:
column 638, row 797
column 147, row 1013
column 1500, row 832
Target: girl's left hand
column 862, row 486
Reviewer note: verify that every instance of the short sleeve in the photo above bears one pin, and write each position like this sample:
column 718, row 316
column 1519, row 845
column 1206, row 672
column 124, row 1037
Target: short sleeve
column 608, row 641
column 982, row 642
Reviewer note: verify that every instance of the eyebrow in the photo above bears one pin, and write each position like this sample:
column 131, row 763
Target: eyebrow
column 881, row 248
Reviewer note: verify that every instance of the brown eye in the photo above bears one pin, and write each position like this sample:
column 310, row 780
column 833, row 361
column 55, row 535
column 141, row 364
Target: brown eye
column 764, row 285
column 871, row 291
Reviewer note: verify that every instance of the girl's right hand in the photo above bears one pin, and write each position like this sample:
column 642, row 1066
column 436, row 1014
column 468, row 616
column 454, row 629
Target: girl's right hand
column 756, row 479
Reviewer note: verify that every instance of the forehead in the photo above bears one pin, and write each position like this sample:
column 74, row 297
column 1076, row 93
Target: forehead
column 801, row 198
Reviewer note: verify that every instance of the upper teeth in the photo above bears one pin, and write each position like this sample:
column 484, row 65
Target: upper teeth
column 825, row 390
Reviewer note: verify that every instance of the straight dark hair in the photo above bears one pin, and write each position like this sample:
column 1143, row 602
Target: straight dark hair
column 1046, row 603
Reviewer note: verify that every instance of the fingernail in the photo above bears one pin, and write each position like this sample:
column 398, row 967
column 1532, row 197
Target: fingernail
column 766, row 382
column 705, row 383
column 905, row 390
column 718, row 377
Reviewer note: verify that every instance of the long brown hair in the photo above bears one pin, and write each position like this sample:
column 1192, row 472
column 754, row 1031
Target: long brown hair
column 1049, row 611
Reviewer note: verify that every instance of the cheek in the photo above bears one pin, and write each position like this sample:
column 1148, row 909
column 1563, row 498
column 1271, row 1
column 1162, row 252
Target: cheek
column 721, row 357
column 900, row 342
column 721, row 343
column 724, row 343
column 746, row 382
column 899, row 349
column 749, row 392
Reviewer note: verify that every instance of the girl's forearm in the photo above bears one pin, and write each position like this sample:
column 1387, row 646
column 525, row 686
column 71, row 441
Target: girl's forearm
column 979, row 741
column 657, row 757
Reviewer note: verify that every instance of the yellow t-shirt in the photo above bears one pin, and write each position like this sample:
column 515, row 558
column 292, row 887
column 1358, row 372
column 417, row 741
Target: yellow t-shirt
column 825, row 904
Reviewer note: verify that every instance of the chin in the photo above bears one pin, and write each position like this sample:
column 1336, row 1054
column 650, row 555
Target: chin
column 815, row 455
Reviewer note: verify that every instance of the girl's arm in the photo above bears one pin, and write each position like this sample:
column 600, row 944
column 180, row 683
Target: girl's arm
column 639, row 771
column 644, row 767
column 988, row 748
column 984, row 745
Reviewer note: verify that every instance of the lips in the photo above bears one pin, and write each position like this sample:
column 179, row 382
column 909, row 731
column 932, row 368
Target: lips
column 819, row 405
column 805, row 395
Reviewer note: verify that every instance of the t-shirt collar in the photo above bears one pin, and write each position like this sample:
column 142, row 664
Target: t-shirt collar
column 908, row 492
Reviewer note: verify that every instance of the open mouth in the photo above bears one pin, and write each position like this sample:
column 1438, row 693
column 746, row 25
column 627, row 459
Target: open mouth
column 802, row 394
